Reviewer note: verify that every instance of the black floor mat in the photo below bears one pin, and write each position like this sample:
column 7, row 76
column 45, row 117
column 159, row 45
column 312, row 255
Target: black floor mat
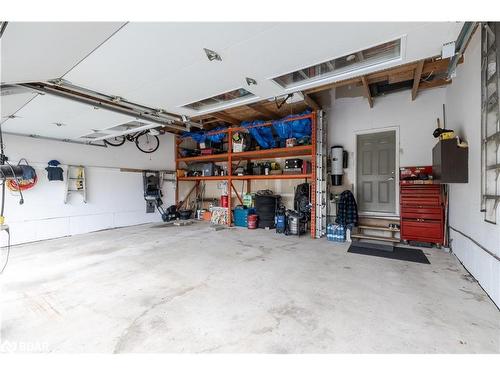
column 399, row 253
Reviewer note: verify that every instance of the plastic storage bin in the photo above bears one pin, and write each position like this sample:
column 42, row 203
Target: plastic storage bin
column 241, row 216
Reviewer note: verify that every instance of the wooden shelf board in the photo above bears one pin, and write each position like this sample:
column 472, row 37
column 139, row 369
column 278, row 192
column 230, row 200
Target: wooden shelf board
column 215, row 157
column 273, row 153
column 375, row 238
column 252, row 155
column 248, row 177
column 272, row 177
column 203, row 178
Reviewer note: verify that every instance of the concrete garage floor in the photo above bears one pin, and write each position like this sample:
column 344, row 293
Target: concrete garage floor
column 191, row 289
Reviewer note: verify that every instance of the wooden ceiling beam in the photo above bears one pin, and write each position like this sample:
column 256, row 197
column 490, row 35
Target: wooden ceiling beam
column 333, row 85
column 383, row 74
column 366, row 89
column 434, row 83
column 400, row 77
column 436, row 66
column 416, row 79
column 226, row 118
column 210, row 121
column 311, row 102
column 263, row 110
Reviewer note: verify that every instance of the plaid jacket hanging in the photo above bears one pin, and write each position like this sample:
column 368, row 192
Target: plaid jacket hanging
column 347, row 209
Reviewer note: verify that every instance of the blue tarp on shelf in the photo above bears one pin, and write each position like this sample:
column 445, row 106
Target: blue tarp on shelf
column 299, row 128
column 262, row 134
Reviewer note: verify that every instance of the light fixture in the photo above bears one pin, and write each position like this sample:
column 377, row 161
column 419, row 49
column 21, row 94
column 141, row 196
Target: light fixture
column 251, row 81
column 233, row 96
column 212, row 55
column 349, row 63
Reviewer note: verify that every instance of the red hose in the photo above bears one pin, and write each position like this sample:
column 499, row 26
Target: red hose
column 21, row 185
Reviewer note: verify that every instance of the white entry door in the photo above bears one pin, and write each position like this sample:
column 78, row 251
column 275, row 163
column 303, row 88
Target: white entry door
column 376, row 172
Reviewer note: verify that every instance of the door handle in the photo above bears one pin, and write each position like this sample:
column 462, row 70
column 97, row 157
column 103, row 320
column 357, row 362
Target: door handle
column 390, row 179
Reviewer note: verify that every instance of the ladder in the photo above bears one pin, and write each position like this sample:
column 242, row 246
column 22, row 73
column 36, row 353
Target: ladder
column 75, row 182
column 321, row 176
column 490, row 120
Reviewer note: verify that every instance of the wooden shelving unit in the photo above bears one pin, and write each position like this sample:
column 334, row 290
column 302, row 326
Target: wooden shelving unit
column 308, row 151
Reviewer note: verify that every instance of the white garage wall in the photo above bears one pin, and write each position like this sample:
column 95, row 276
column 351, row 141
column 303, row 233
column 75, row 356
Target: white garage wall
column 463, row 108
column 114, row 198
column 416, row 121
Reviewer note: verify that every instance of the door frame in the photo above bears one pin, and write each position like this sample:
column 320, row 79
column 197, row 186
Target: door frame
column 396, row 172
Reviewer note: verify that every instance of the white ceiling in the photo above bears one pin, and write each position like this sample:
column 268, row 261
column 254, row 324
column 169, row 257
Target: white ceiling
column 163, row 65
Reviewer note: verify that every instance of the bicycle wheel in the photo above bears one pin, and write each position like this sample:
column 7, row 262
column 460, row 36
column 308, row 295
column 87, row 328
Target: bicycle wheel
column 147, row 143
column 115, row 141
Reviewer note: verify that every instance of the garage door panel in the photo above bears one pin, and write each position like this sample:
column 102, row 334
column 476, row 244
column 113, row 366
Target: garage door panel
column 38, row 51
column 42, row 114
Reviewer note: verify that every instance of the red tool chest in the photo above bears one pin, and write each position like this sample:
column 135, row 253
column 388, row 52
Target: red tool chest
column 422, row 213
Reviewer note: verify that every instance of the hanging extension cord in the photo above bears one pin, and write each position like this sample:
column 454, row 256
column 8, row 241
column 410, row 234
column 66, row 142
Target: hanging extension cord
column 3, row 161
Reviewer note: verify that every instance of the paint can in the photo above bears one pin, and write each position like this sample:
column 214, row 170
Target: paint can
column 252, row 221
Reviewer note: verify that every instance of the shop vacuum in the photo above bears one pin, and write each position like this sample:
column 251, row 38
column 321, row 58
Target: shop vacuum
column 339, row 163
column 280, row 219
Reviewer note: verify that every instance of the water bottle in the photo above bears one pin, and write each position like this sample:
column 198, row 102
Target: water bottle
column 329, row 232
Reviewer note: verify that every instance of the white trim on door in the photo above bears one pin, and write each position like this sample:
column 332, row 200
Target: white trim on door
column 396, row 167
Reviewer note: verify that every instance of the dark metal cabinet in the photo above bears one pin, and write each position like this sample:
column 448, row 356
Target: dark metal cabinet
column 450, row 162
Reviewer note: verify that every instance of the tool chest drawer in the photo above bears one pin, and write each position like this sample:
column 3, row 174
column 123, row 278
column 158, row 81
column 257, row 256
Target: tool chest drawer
column 426, row 200
column 422, row 230
column 420, row 190
column 422, row 213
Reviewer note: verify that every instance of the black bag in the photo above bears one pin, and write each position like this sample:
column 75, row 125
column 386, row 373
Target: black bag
column 301, row 201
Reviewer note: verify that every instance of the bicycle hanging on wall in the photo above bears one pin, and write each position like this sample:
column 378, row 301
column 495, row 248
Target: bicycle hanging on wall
column 144, row 140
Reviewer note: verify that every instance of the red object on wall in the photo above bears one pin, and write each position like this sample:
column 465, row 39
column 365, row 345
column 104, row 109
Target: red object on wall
column 224, row 201
column 413, row 175
column 422, row 213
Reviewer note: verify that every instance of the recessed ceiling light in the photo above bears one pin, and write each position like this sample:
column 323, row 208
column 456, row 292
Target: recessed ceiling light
column 212, row 55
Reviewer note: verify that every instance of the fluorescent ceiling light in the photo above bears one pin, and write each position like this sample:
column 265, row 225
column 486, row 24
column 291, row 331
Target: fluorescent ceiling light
column 369, row 57
column 233, row 96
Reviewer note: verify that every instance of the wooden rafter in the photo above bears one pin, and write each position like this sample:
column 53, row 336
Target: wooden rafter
column 431, row 68
column 416, row 79
column 366, row 90
column 329, row 86
column 311, row 102
column 393, row 75
column 226, row 118
column 434, row 83
column 263, row 110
